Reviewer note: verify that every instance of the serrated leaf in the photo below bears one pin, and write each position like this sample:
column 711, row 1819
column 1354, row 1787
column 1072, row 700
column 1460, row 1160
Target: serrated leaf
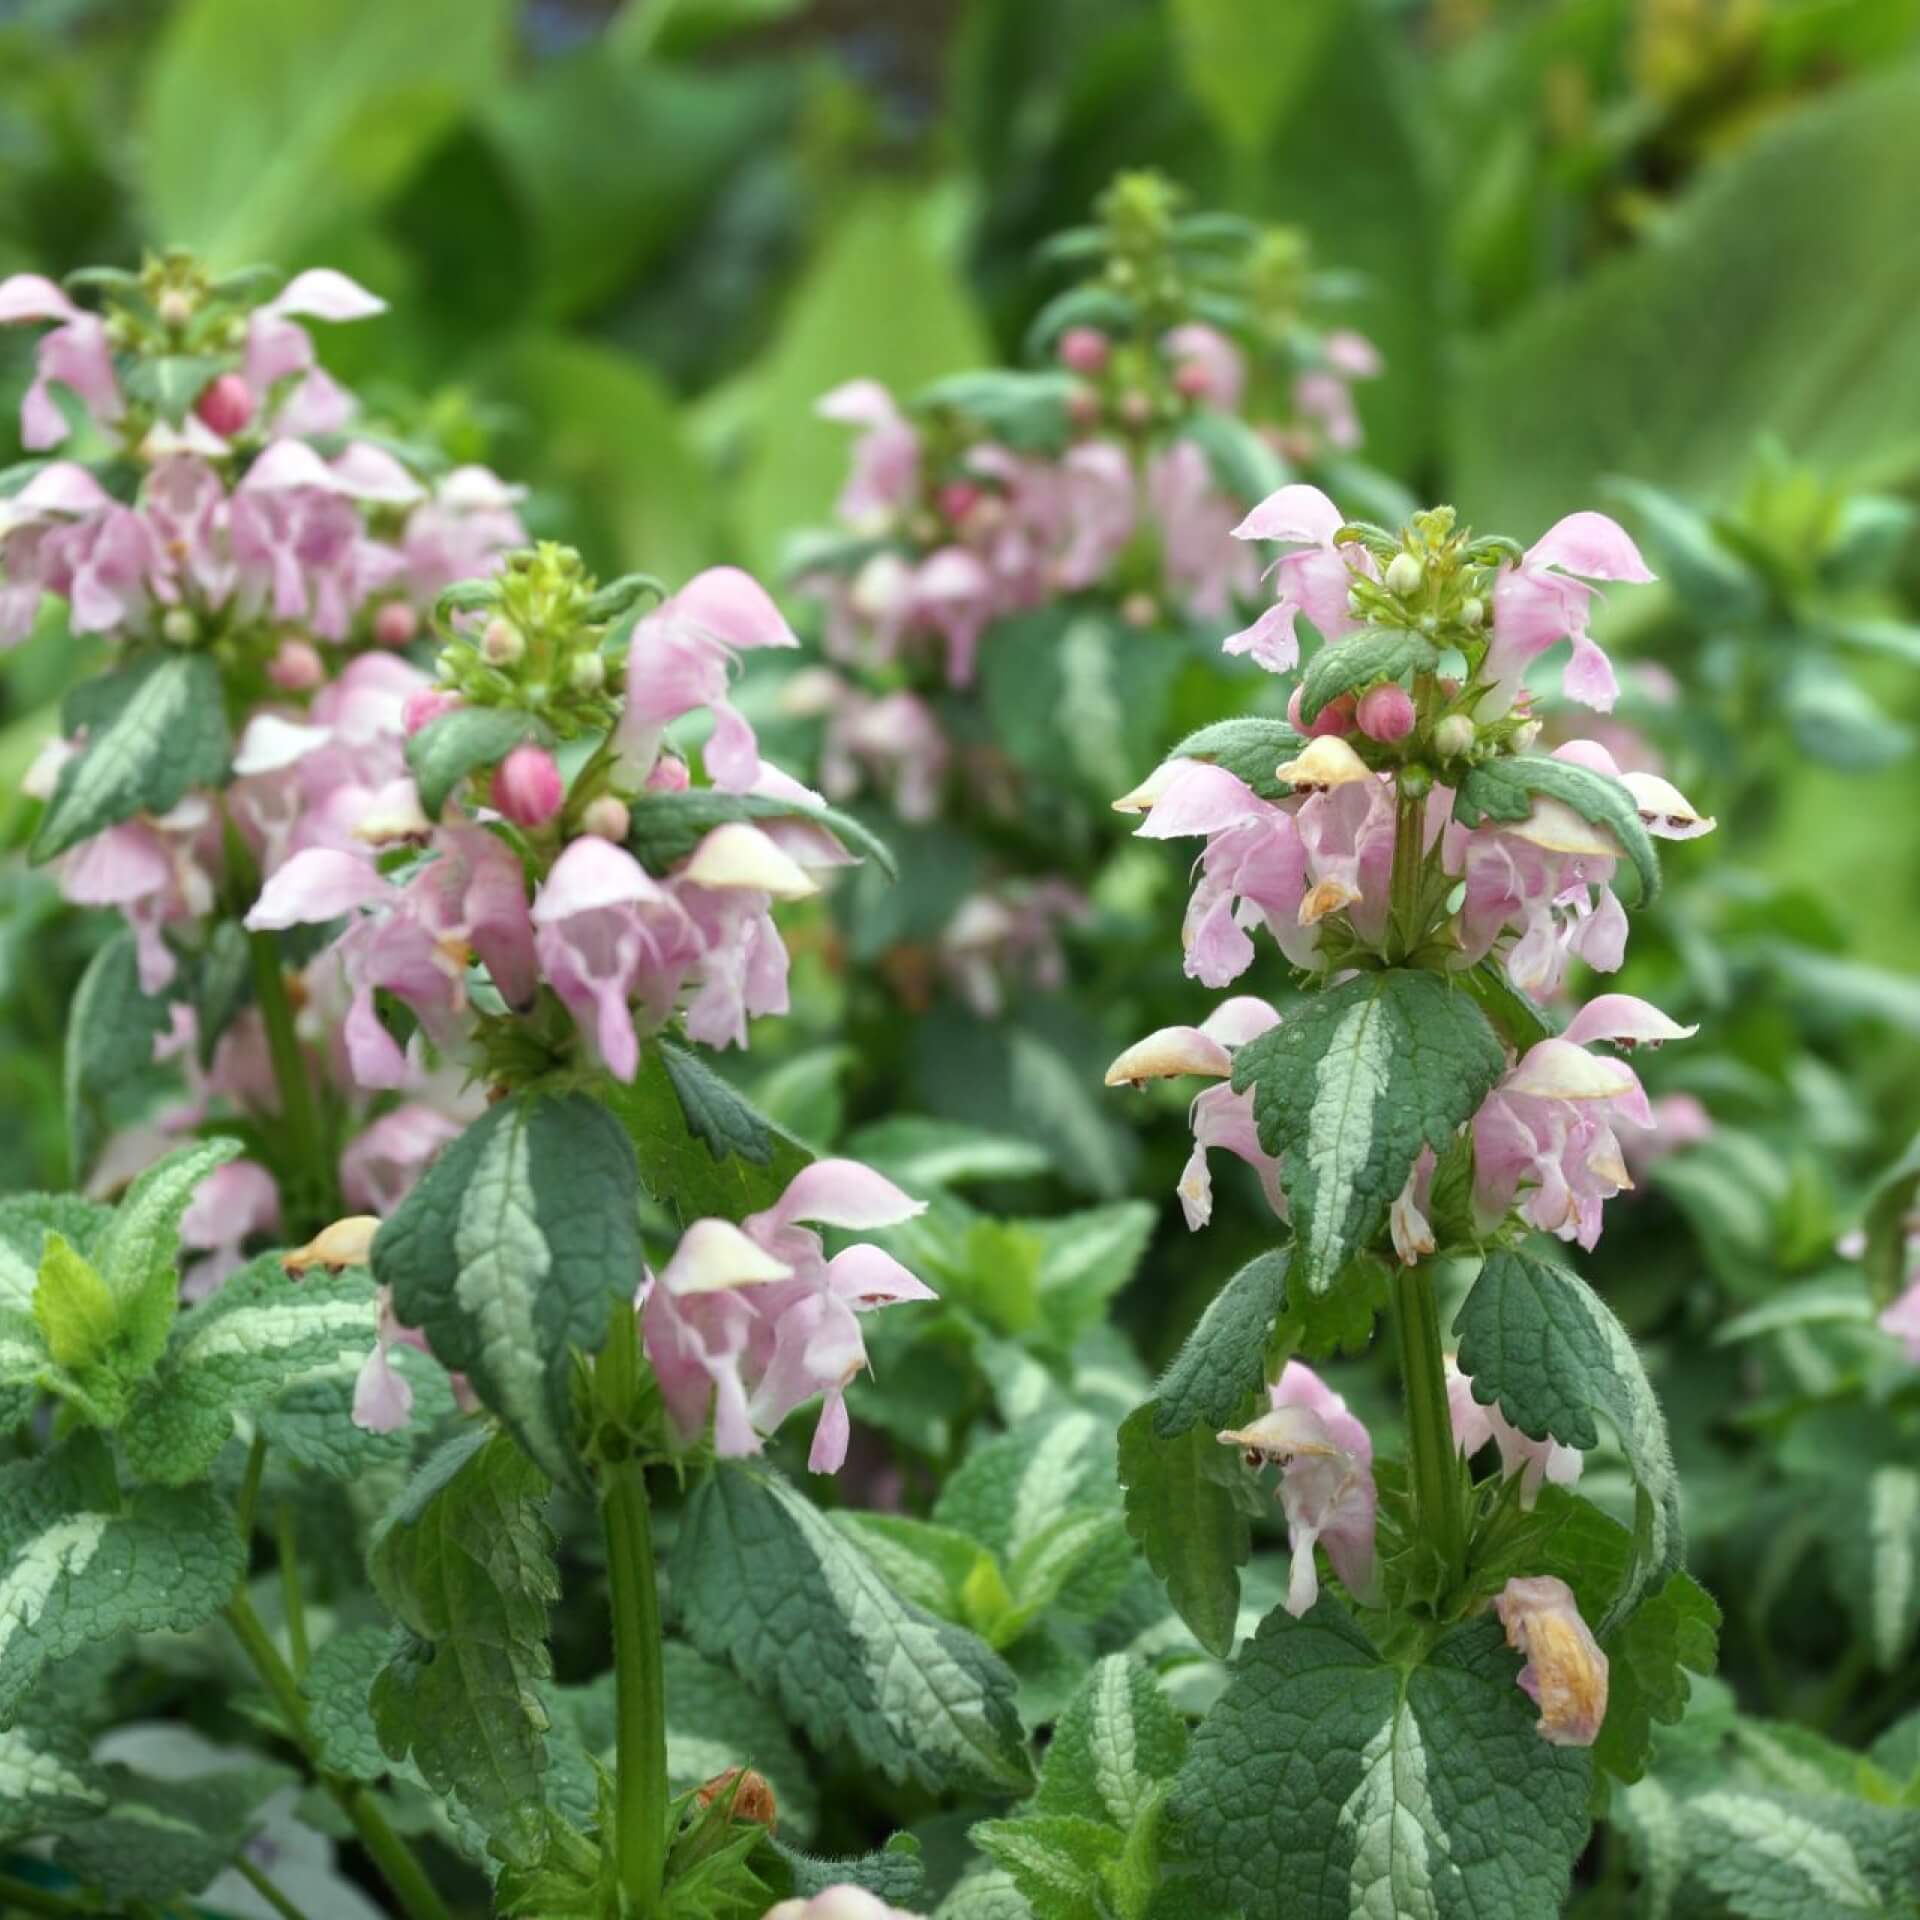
column 1222, row 1363
column 156, row 729
column 46, row 1781
column 1059, row 1861
column 81, row 1562
column 1329, row 1782
column 1086, row 1257
column 1007, row 1492
column 514, row 1251
column 1349, row 1087
column 27, row 1222
column 1187, row 1507
column 1536, row 1338
column 934, row 1567
column 1784, row 1856
column 1252, row 749
column 337, row 1687
column 461, row 741
column 261, row 1335
column 312, row 1423
column 1504, row 790
column 985, row 1893
column 112, row 1024
column 169, row 383
column 465, row 1562
column 162, row 1838
column 715, row 1111
column 666, row 827
column 75, row 1313
column 918, row 1697
column 1029, row 412
column 1114, row 1748
column 1673, row 1631
column 1379, row 653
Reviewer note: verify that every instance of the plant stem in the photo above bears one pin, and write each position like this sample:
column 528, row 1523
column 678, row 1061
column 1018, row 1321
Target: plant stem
column 292, row 1604
column 28, row 1898
column 297, row 1113
column 250, row 1490
column 639, row 1687
column 402, row 1872
column 265, row 1888
column 1434, row 1471
column 1404, row 922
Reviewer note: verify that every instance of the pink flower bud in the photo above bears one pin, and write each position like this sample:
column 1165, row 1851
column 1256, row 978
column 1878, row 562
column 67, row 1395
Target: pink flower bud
column 668, row 776
column 607, row 818
column 296, row 666
column 1335, row 717
column 175, row 308
column 1084, row 349
column 395, row 624
column 959, row 499
column 527, row 787
column 1386, row 712
column 1140, row 610
column 424, row 704
column 502, row 644
column 1136, row 409
column 1193, row 379
column 226, row 404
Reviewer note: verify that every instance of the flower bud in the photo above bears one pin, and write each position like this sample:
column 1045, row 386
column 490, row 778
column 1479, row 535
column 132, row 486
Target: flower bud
column 669, row 775
column 395, row 624
column 1335, row 717
column 347, row 1243
column 175, row 308
column 1385, row 712
column 1473, row 611
column 1404, row 575
column 587, row 672
column 958, row 499
column 752, row 1796
column 1453, row 736
column 1083, row 407
column 225, row 404
column 882, row 588
column 1084, row 350
column 607, row 818
column 1136, row 408
column 178, row 628
column 1193, row 379
column 527, row 787
column 1140, row 610
column 296, row 666
column 503, row 644
column 424, row 704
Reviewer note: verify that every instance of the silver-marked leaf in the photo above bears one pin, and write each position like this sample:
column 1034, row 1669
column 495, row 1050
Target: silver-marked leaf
column 514, row 1251
column 1252, row 748
column 465, row 1561
column 1505, row 790
column 1086, row 1257
column 1221, row 1364
column 161, row 1838
column 46, row 1781
column 262, row 1334
column 1873, row 1534
column 763, row 1579
column 1349, row 1087
column 112, row 1024
column 1787, row 1856
column 1536, row 1338
column 1059, row 1861
column 312, row 1422
column 80, row 1561
column 1009, row 1492
column 27, row 1222
column 1380, row 653
column 155, row 729
column 1115, row 1747
column 1330, row 1783
column 919, row 1152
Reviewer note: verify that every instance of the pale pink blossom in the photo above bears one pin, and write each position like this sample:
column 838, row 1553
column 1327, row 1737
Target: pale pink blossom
column 229, row 1207
column 1010, row 934
column 1207, row 366
column 1540, row 602
column 1316, row 578
column 461, row 532
column 75, row 355
column 1205, row 570
column 383, row 1161
column 1535, row 1461
column 1565, row 1674
column 154, row 871
column 886, row 456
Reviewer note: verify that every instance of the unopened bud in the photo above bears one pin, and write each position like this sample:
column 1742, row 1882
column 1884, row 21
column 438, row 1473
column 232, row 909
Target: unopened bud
column 588, row 671
column 1473, row 611
column 395, row 624
column 503, row 644
column 958, row 499
column 1525, row 735
column 225, row 404
column 1453, row 736
column 752, row 1796
column 1335, row 717
column 1084, row 349
column 296, row 666
column 175, row 308
column 1404, row 575
column 424, row 704
column 1385, row 713
column 1136, row 408
column 178, row 628
column 1083, row 407
column 1193, row 378
column 527, row 787
column 607, row 818
column 1140, row 610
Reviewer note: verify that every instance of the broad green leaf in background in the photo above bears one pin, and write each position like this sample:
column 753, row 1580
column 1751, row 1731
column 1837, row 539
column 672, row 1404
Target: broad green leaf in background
column 918, row 1697
column 338, row 1688
column 1767, row 301
column 1791, row 1856
column 881, row 301
column 46, row 1780
column 465, row 1560
column 323, row 108
column 514, row 1251
column 112, row 1024
column 1329, row 1782
column 160, row 1838
column 1349, row 1087
column 1873, row 1534
column 1249, row 63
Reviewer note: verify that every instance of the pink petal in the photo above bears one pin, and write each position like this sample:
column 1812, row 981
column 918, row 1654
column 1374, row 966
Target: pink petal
column 32, row 296
column 866, row 1277
column 1591, row 545
column 322, row 293
column 843, row 1193
column 1622, row 1017
column 1299, row 513
column 733, row 607
column 592, row 874
column 62, row 487
column 317, row 885
column 1200, row 798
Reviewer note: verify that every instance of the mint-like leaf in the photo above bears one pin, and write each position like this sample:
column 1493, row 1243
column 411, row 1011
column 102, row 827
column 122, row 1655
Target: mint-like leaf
column 1222, row 1363
column 715, row 1110
column 461, row 741
column 46, row 1781
column 338, row 1687
column 1380, row 653
column 112, row 1024
column 1251, row 748
column 1505, row 790
column 1115, row 1747
column 162, row 1838
column 666, row 827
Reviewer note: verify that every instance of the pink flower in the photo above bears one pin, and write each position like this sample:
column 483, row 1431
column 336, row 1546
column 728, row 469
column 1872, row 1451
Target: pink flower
column 1326, row 1481
column 461, row 532
column 383, row 1161
column 1540, row 602
column 1902, row 1320
column 152, row 870
column 1204, row 570
column 1314, row 580
column 527, row 787
column 1547, row 1131
column 1566, row 1673
column 230, row 1206
column 1207, row 366
column 1011, row 932
column 955, row 593
column 74, row 355
column 63, row 534
column 382, row 1395
column 1534, row 1460
column 886, row 457
column 279, row 350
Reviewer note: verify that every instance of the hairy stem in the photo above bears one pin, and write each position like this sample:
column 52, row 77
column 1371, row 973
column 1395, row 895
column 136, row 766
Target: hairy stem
column 1433, row 1469
column 1407, row 912
column 294, row 1606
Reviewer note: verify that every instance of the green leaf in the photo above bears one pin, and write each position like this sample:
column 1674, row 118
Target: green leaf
column 938, row 1568
column 465, row 1561
column 461, row 741
column 157, row 728
column 1029, row 412
column 1380, row 653
column 1222, row 1364
column 312, row 1422
column 1537, row 1339
column 985, row 1893
column 1873, row 1535
column 80, row 1562
column 920, row 1699
column 74, row 1311
column 1251, row 748
column 1115, row 1747
column 46, row 1780
column 1889, row 1203
column 1059, row 1861
column 1329, row 1782
column 1187, row 1506
column 1673, row 358
column 668, row 826
column 1348, row 1088
column 260, row 1335
column 162, row 1838
column 919, row 1152
column 1089, row 306
column 715, row 1110
column 169, row 383
column 893, row 1873
column 512, row 1254
column 112, row 1024
column 1788, row 1856
column 1086, row 1257
column 324, row 110
column 681, row 1171
column 1248, row 64
column 1242, row 461
column 1011, row 1488
column 1711, row 579
column 1673, row 1631
column 1505, row 789
column 337, row 1687
column 1836, row 721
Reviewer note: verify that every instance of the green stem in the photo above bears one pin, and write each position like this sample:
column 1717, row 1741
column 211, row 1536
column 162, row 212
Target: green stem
column 250, row 1490
column 292, row 1604
column 265, row 1888
column 28, row 1898
column 640, row 1779
column 297, row 1112
column 1433, row 1462
column 1406, row 916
